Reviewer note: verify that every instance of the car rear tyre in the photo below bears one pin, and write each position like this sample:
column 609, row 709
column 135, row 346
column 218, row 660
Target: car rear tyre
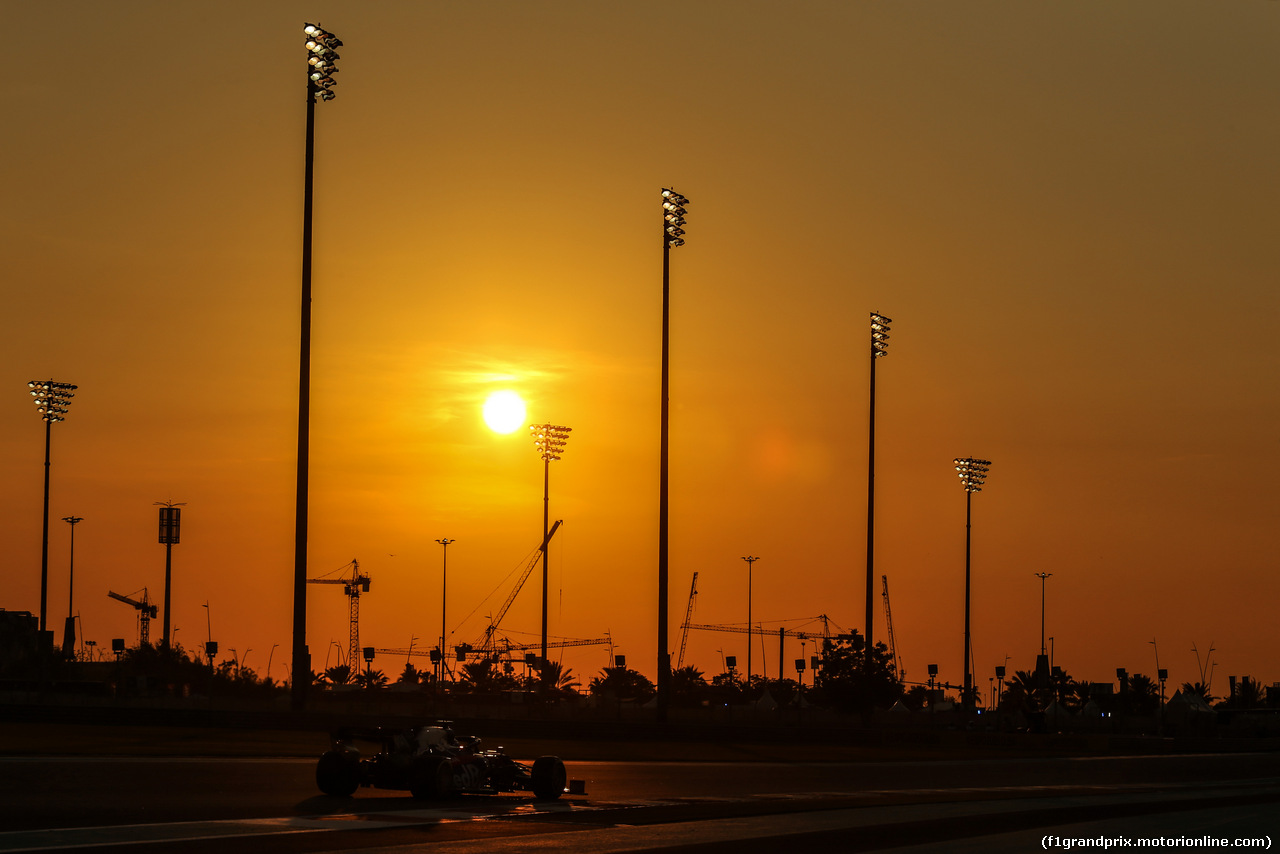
column 548, row 778
column 338, row 773
column 432, row 778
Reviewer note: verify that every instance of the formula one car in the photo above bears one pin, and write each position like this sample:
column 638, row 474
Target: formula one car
column 430, row 762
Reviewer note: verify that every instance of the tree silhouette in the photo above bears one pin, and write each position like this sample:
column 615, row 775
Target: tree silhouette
column 370, row 679
column 1144, row 694
column 688, row 686
column 1198, row 689
column 339, row 674
column 850, row 683
column 622, row 683
column 557, row 681
column 482, row 677
column 1248, row 695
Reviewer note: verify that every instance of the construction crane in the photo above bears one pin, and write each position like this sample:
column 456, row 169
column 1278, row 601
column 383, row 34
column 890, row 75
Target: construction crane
column 688, row 615
column 485, row 643
column 352, row 586
column 146, row 613
column 898, row 671
column 783, row 634
column 502, row 647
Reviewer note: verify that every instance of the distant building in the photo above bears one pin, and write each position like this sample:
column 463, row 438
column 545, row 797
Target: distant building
column 19, row 637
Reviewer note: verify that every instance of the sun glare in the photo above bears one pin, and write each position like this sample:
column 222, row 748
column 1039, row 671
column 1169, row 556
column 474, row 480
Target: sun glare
column 504, row 412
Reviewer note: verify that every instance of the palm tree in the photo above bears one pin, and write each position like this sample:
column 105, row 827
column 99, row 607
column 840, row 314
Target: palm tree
column 1248, row 695
column 1144, row 694
column 370, row 679
column 339, row 674
column 1021, row 693
column 557, row 680
column 688, row 685
column 623, row 683
column 482, row 677
column 1198, row 689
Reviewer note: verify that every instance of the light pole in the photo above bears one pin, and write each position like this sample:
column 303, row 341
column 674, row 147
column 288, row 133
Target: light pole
column 549, row 440
column 879, row 347
column 750, row 559
column 973, row 472
column 673, row 211
column 69, row 633
column 52, row 400
column 170, row 531
column 321, row 49
column 444, row 589
column 1042, row 660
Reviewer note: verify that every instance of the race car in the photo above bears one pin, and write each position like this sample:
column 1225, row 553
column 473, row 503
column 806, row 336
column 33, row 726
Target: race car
column 431, row 762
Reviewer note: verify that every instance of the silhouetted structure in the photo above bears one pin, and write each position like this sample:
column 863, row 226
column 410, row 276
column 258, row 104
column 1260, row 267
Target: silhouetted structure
column 321, row 56
column 52, row 400
column 673, row 211
column 170, row 534
column 750, row 559
column 444, row 598
column 879, row 347
column 69, row 632
column 550, row 441
column 973, row 472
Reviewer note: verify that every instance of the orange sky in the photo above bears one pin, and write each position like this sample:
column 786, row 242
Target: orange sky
column 1068, row 211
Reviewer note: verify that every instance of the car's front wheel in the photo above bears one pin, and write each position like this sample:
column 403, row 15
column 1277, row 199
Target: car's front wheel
column 548, row 778
column 338, row 773
column 432, row 778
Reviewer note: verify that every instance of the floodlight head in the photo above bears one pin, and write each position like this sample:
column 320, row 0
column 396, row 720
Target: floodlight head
column 52, row 399
column 673, row 213
column 879, row 335
column 549, row 440
column 973, row 472
column 321, row 55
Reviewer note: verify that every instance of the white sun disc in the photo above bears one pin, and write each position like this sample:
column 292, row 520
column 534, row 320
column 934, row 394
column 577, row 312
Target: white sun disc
column 504, row 412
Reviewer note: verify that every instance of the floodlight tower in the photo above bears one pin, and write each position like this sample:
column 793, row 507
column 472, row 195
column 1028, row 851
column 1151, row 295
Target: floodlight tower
column 549, row 440
column 52, row 400
column 673, row 211
column 322, row 55
column 879, row 347
column 973, row 472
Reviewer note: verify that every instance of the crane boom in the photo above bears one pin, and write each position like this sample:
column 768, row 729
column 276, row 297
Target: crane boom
column 146, row 613
column 688, row 615
column 783, row 634
column 791, row 633
column 505, row 646
column 888, row 621
column 486, row 640
column 353, row 586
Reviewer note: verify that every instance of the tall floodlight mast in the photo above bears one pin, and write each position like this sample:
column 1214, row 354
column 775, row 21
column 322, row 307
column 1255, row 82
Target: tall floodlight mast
column 879, row 347
column 322, row 55
column 973, row 473
column 673, row 211
column 52, row 400
column 550, row 441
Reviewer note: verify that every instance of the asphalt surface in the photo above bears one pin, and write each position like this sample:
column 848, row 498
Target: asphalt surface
column 205, row 791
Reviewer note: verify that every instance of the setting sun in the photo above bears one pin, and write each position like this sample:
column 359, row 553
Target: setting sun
column 504, row 412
